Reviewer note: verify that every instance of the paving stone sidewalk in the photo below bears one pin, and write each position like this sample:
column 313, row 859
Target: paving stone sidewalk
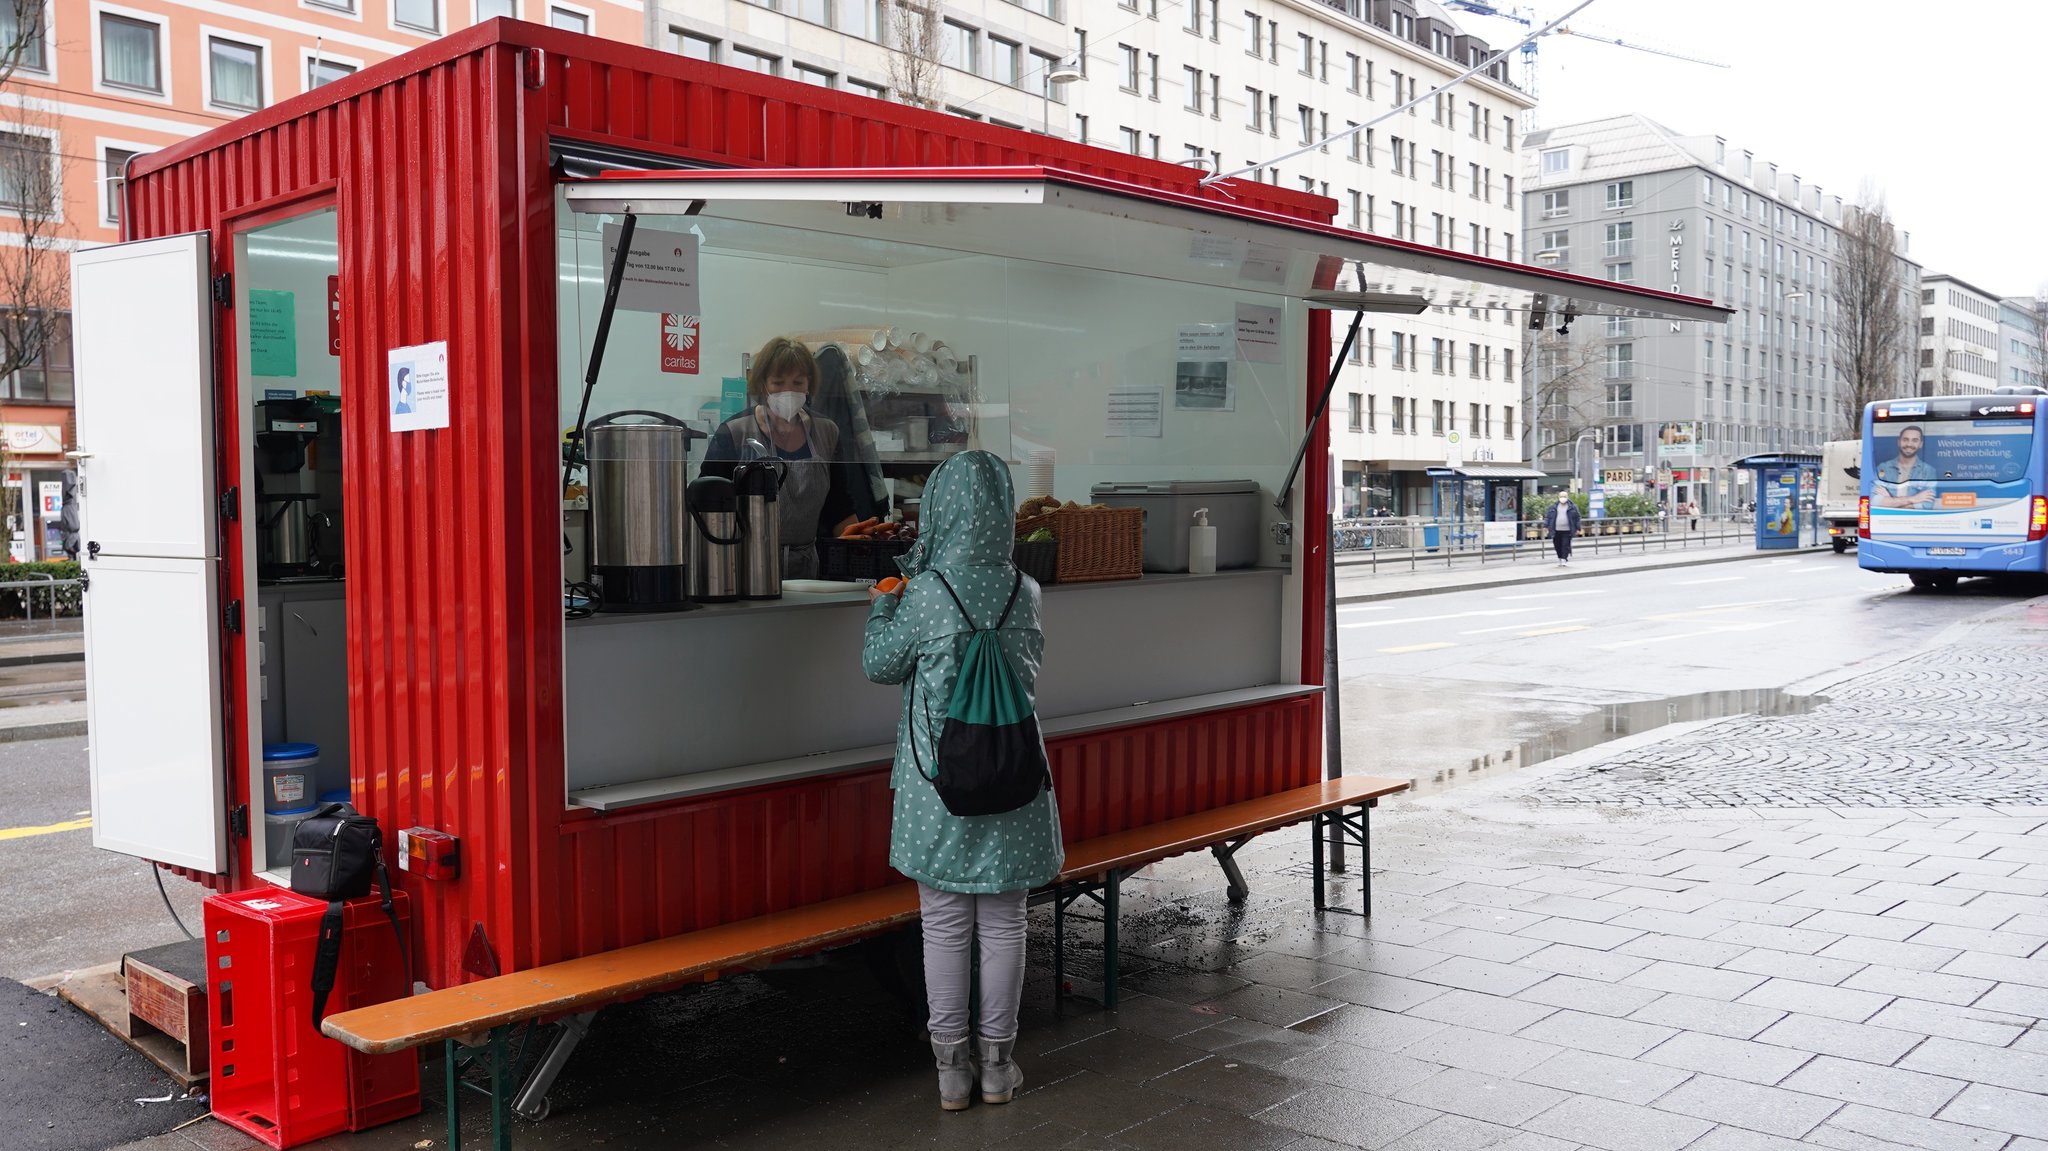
column 1553, row 963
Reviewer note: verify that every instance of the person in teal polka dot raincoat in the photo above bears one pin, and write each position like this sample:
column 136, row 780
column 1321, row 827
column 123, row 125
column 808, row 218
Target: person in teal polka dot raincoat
column 973, row 873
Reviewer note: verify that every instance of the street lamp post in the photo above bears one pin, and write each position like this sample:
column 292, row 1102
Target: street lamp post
column 1065, row 72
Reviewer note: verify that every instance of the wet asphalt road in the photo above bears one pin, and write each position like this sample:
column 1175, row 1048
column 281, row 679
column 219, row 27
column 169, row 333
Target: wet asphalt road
column 1447, row 688
column 65, row 904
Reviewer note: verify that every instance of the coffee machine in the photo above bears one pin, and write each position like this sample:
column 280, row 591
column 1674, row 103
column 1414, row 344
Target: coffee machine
column 298, row 489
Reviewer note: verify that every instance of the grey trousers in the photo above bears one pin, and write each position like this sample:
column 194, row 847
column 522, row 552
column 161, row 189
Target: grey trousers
column 953, row 925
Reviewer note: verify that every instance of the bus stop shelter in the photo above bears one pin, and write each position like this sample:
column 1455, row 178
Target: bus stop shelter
column 1787, row 484
column 1464, row 499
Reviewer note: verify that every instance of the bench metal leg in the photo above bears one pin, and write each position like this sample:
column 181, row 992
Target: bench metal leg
column 495, row 1056
column 1235, row 888
column 1104, row 893
column 532, row 1100
column 1353, row 825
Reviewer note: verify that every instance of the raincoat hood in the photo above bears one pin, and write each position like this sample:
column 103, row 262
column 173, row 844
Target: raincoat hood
column 965, row 519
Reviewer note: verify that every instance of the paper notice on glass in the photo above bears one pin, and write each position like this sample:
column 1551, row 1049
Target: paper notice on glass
column 1136, row 411
column 1216, row 249
column 1204, row 343
column 419, row 387
column 1264, row 263
column 1258, row 334
column 661, row 275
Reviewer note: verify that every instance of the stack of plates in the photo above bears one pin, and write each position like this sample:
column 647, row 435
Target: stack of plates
column 1038, row 474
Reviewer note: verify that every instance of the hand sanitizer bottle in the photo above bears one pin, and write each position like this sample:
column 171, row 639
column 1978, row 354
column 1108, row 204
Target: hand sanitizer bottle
column 1202, row 545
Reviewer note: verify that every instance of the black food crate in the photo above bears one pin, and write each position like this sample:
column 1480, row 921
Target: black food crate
column 860, row 559
column 1040, row 560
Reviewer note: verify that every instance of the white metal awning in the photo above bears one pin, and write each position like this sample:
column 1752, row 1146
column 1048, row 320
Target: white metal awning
column 1083, row 221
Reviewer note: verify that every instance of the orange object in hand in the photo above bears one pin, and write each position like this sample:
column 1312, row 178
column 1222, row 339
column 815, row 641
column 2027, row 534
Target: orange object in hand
column 887, row 585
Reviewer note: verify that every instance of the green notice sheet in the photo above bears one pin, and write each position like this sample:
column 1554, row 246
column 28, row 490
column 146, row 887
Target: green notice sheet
column 273, row 334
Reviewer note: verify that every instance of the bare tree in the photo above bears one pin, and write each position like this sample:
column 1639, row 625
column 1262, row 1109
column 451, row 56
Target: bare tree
column 34, row 274
column 916, row 53
column 1568, row 393
column 1876, row 326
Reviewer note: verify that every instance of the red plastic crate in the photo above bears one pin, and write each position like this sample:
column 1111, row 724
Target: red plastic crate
column 274, row 1075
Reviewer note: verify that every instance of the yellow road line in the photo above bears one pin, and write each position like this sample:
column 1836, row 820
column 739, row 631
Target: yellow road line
column 1413, row 647
column 1553, row 630
column 51, row 829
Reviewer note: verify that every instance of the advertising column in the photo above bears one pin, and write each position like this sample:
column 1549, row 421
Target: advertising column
column 1777, row 508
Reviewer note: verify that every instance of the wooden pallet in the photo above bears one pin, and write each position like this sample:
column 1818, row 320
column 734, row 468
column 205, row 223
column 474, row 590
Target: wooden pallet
column 102, row 993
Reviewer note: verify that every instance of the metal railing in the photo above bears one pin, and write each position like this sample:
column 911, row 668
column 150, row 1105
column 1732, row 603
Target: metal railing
column 1410, row 542
column 56, row 595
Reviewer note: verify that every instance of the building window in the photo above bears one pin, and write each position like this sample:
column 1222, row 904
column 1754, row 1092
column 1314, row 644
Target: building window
column 1477, row 186
column 1355, row 71
column 862, row 87
column 1621, row 362
column 811, row 11
column 1255, row 103
column 1004, row 60
column 235, row 75
column 1472, row 360
column 1081, row 54
column 114, row 168
column 130, row 53
column 569, row 20
column 960, row 48
column 485, row 9
column 1622, row 273
column 696, row 47
column 422, row 15
column 1308, row 123
column 817, row 76
column 1355, row 410
column 1130, row 67
column 757, row 61
column 1254, row 27
column 1556, row 160
column 27, row 179
column 48, row 376
column 1194, row 86
column 1400, row 350
column 1621, row 194
column 1436, row 356
column 1559, row 242
column 1557, row 204
column 1134, row 141
column 1621, row 241
column 1472, row 420
column 1400, row 424
column 1308, row 54
column 320, row 72
column 32, row 55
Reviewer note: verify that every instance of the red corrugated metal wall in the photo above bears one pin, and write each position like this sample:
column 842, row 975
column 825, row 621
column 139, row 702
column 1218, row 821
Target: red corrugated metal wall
column 437, row 162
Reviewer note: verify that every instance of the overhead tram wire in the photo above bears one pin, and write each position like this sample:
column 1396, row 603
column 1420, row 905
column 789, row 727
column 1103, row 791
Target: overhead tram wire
column 1433, row 93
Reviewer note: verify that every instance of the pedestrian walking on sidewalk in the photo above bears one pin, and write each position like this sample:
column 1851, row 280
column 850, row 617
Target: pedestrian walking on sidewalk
column 973, row 873
column 1563, row 521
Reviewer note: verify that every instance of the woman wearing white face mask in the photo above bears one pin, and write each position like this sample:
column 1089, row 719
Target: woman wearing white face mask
column 813, row 498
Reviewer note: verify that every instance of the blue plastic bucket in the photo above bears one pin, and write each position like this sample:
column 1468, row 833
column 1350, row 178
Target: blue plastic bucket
column 288, row 776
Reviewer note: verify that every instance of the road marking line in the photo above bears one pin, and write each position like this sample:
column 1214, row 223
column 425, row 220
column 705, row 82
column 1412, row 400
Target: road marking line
column 1552, row 594
column 1436, row 618
column 1697, row 582
column 1556, row 630
column 1414, row 647
column 49, row 829
column 1513, row 626
column 1710, row 609
column 1723, row 630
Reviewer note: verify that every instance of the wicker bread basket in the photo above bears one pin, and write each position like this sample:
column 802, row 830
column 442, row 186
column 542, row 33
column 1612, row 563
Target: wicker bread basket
column 1094, row 543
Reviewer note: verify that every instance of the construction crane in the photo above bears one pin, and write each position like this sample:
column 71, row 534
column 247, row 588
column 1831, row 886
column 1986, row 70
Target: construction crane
column 1528, row 18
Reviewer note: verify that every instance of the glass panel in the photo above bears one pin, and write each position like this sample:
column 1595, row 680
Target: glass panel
column 569, row 21
column 924, row 350
column 26, row 181
column 320, row 72
column 32, row 55
column 128, row 53
column 491, row 9
column 815, row 11
column 237, row 75
column 115, row 174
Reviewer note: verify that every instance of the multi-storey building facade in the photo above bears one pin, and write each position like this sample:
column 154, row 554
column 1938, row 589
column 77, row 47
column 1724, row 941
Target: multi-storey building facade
column 2022, row 342
column 1227, row 86
column 1672, row 406
column 1958, row 337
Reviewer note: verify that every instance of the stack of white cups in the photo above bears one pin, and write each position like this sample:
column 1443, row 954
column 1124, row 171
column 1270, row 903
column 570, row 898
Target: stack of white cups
column 1038, row 474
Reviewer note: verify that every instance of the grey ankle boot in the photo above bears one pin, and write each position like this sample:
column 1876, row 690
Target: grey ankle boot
column 1000, row 1077
column 956, row 1074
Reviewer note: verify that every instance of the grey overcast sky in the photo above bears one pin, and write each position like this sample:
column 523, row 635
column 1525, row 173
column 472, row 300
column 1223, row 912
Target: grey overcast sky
column 1937, row 104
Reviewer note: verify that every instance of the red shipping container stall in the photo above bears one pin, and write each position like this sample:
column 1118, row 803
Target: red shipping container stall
column 299, row 546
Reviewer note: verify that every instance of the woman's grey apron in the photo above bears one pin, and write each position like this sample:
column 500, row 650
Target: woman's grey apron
column 801, row 498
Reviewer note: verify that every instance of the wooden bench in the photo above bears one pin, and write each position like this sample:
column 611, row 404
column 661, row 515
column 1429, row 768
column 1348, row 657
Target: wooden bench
column 481, row 1016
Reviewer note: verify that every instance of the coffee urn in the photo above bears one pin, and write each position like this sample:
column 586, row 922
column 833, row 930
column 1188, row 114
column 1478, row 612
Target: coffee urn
column 716, row 539
column 755, row 483
column 638, row 523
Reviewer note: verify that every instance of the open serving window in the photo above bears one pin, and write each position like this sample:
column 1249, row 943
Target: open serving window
column 1096, row 332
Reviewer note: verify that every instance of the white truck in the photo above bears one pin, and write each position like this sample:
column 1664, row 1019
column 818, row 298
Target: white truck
column 1841, row 489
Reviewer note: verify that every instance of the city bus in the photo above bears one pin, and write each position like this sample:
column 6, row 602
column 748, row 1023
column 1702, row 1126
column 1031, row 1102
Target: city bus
column 1955, row 486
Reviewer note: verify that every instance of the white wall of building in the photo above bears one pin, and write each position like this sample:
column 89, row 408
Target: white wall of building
column 1959, row 338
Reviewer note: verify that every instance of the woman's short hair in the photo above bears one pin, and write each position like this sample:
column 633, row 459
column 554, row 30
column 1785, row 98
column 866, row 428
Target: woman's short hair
column 776, row 357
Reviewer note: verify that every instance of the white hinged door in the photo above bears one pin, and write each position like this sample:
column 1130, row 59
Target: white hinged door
column 141, row 329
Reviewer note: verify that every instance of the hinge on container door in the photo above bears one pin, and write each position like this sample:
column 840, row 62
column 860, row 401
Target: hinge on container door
column 234, row 616
column 231, row 504
column 238, row 820
column 224, row 290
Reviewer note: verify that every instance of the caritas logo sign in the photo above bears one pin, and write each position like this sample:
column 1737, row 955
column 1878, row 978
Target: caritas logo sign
column 679, row 342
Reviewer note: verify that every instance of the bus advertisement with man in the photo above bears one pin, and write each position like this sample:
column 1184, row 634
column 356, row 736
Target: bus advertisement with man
column 1953, row 486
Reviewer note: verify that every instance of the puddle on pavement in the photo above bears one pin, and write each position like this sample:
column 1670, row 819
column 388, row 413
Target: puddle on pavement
column 1445, row 735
